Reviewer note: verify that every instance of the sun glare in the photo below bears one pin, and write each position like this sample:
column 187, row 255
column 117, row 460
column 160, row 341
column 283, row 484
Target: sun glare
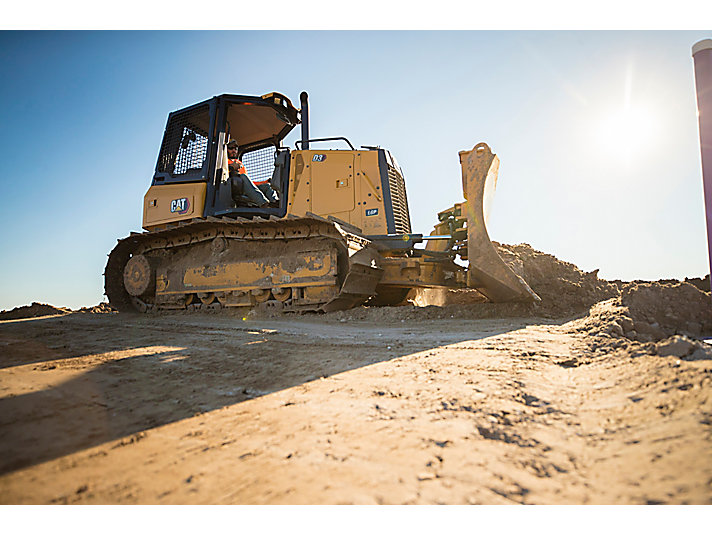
column 628, row 132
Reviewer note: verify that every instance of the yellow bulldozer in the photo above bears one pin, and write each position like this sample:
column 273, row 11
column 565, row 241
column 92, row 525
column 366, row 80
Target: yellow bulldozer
column 336, row 235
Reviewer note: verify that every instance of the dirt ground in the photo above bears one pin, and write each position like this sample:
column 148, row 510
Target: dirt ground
column 600, row 394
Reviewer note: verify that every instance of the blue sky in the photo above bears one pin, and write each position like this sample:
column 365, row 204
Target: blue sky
column 596, row 132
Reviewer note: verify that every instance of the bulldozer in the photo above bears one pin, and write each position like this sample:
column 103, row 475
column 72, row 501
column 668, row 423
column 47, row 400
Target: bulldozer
column 338, row 236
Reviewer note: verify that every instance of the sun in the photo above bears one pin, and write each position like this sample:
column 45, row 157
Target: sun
column 629, row 131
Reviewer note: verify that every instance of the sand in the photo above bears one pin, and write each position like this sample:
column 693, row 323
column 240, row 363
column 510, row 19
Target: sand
column 600, row 394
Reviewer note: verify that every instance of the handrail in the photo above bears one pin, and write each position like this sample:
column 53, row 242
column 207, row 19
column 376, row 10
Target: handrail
column 296, row 144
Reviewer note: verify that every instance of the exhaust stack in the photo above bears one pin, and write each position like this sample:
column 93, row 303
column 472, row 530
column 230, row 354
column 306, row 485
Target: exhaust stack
column 303, row 97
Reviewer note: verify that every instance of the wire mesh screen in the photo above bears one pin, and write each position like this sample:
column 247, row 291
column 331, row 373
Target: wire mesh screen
column 185, row 143
column 192, row 151
column 259, row 163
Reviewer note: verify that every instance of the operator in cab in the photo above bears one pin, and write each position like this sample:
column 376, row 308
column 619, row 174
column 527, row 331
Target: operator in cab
column 259, row 192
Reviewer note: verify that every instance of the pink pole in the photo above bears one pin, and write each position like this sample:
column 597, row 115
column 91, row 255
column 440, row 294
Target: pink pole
column 702, row 56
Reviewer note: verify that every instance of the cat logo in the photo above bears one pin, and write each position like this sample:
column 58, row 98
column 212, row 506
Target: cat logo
column 180, row 206
column 319, row 157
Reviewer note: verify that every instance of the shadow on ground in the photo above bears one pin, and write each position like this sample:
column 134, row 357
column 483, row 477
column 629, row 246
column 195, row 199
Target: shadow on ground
column 111, row 377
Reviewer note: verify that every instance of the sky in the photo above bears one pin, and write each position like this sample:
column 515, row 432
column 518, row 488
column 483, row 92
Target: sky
column 596, row 132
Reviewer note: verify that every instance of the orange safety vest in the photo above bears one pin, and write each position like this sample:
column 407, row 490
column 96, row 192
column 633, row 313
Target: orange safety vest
column 237, row 166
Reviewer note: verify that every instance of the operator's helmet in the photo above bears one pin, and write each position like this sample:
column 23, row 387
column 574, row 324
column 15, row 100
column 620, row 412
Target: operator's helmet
column 232, row 144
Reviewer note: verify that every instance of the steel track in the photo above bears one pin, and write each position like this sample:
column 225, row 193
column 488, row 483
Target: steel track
column 358, row 276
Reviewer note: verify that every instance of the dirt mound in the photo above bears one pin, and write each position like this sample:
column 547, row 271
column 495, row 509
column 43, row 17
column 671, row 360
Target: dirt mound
column 653, row 311
column 651, row 318
column 609, row 328
column 660, row 310
column 35, row 309
column 564, row 289
column 703, row 284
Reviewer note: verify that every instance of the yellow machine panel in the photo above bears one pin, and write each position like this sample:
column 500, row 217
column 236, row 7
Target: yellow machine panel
column 332, row 175
column 313, row 269
column 343, row 183
column 173, row 202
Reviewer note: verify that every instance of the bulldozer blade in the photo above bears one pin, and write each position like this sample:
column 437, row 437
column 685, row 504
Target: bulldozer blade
column 360, row 283
column 487, row 273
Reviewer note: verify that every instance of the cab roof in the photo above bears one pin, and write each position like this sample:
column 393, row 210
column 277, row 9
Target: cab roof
column 254, row 120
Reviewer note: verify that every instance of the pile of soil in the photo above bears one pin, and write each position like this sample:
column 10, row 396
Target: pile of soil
column 35, row 309
column 659, row 310
column 564, row 289
column 651, row 312
column 652, row 318
column 703, row 284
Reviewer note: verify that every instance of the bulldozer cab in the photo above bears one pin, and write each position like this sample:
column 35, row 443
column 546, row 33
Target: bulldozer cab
column 194, row 148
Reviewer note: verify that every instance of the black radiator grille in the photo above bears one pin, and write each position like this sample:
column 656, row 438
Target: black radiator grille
column 399, row 199
column 185, row 143
column 259, row 163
